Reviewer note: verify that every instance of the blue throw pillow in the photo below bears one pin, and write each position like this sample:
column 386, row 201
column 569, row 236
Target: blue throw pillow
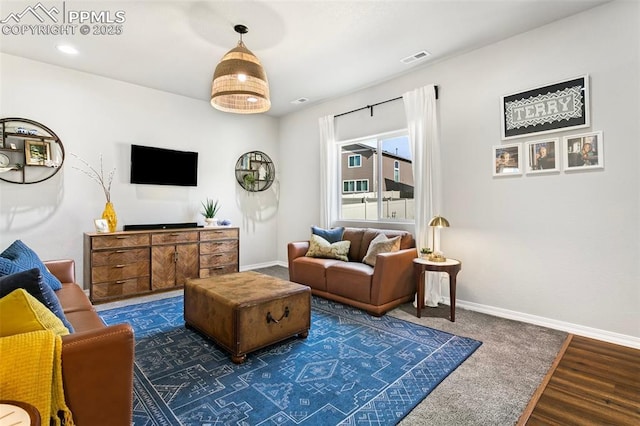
column 331, row 235
column 31, row 281
column 24, row 258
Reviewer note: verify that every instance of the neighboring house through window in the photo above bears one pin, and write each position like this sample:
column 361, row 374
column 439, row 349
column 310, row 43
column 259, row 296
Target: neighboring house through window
column 372, row 186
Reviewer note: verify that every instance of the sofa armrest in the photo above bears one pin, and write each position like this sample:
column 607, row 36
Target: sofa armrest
column 97, row 371
column 297, row 249
column 64, row 269
column 393, row 276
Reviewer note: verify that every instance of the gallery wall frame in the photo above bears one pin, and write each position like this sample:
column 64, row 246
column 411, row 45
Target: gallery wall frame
column 506, row 159
column 583, row 151
column 554, row 107
column 542, row 156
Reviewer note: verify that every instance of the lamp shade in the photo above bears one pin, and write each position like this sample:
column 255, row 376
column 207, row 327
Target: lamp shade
column 439, row 222
column 239, row 82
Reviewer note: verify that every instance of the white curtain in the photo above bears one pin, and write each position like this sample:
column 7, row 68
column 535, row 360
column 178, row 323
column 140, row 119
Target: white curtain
column 424, row 141
column 328, row 172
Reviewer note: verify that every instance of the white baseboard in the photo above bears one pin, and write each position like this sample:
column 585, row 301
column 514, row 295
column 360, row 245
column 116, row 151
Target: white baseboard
column 594, row 333
column 263, row 265
column 581, row 330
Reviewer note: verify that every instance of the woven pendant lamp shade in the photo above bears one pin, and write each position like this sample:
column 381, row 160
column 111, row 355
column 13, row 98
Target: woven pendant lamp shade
column 239, row 83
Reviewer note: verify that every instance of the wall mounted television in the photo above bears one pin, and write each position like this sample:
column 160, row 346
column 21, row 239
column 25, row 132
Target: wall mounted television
column 159, row 166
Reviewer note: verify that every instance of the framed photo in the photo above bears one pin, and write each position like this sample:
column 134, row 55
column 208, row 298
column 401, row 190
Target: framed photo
column 558, row 106
column 507, row 160
column 584, row 151
column 542, row 156
column 102, row 226
column 37, row 152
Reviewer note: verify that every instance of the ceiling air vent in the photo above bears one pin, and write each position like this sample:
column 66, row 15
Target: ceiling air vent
column 415, row 57
column 299, row 101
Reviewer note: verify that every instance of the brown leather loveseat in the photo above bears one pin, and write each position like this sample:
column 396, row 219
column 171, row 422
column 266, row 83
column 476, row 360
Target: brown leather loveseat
column 374, row 289
column 97, row 360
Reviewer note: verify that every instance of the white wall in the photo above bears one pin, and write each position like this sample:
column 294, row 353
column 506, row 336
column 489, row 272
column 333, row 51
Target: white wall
column 563, row 247
column 94, row 115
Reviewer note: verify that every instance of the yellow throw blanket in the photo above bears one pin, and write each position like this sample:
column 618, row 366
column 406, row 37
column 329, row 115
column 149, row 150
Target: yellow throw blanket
column 31, row 371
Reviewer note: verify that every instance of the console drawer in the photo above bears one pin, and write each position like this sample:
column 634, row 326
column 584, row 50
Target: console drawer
column 218, row 246
column 174, row 237
column 219, row 234
column 217, row 259
column 120, row 288
column 218, row 270
column 119, row 272
column 113, row 241
column 116, row 257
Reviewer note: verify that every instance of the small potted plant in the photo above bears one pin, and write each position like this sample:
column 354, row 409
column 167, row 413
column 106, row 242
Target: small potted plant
column 210, row 209
column 425, row 252
column 249, row 180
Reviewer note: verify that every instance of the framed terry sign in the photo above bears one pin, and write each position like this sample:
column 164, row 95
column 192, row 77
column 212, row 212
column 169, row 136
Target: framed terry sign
column 551, row 108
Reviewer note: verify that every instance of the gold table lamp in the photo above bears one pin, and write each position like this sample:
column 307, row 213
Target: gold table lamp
column 436, row 222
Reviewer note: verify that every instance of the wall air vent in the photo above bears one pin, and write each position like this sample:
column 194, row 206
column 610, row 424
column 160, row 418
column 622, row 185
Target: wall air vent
column 415, row 57
column 299, row 101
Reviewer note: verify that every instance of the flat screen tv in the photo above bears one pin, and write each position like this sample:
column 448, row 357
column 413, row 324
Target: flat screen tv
column 159, row 166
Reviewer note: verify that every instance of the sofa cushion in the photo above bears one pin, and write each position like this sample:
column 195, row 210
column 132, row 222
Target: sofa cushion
column 331, row 235
column 85, row 321
column 311, row 271
column 381, row 244
column 19, row 257
column 72, row 298
column 31, row 281
column 354, row 235
column 20, row 312
column 351, row 280
column 319, row 247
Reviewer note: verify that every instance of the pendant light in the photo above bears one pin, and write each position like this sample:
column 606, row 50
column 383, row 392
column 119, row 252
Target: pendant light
column 239, row 82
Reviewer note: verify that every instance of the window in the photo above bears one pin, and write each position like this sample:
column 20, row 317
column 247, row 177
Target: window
column 372, row 186
column 355, row 160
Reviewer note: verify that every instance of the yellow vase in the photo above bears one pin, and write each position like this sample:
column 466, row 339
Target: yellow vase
column 109, row 214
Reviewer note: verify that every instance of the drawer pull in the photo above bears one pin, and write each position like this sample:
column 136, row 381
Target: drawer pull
column 284, row 315
column 218, row 267
column 120, row 282
column 119, row 266
column 121, row 251
column 121, row 237
column 175, row 234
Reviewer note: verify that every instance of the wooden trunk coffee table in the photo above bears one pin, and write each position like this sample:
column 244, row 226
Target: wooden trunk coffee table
column 246, row 311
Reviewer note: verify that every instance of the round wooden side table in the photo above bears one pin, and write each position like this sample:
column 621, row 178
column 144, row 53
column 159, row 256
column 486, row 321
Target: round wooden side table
column 450, row 266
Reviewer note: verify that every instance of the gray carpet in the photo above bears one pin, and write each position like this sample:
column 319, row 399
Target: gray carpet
column 493, row 386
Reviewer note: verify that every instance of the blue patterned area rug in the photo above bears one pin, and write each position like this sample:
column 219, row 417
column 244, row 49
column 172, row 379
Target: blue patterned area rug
column 353, row 369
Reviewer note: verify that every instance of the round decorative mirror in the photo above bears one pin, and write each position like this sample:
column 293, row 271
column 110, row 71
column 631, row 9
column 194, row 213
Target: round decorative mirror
column 30, row 152
column 255, row 171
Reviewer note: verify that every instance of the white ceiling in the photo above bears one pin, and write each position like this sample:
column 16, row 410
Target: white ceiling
column 309, row 48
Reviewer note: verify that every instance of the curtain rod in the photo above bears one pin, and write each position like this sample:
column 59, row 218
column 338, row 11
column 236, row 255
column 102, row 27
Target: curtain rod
column 370, row 107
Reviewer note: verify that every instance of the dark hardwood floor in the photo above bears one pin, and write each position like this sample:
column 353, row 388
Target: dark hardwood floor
column 590, row 383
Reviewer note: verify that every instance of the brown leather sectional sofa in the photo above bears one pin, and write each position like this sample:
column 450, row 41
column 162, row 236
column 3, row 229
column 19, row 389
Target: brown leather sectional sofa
column 375, row 290
column 97, row 360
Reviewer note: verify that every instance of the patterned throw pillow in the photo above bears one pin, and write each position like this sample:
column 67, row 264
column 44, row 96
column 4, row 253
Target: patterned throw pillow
column 331, row 235
column 18, row 257
column 381, row 244
column 20, row 312
column 31, row 280
column 319, row 247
